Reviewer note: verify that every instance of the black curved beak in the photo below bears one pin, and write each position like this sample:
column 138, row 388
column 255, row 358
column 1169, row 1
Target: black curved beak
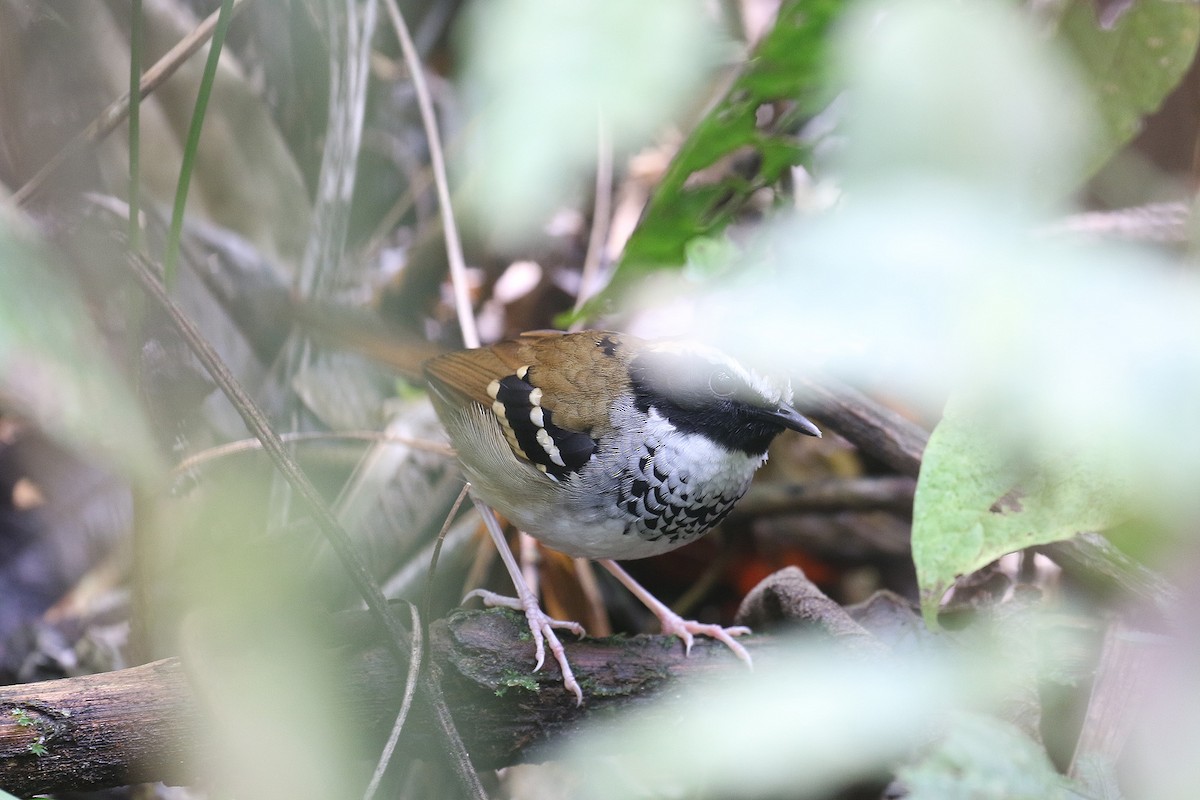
column 789, row 417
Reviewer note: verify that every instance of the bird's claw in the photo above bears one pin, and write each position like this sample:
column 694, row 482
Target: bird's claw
column 541, row 626
column 687, row 630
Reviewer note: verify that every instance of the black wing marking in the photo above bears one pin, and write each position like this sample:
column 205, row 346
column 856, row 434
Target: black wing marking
column 531, row 431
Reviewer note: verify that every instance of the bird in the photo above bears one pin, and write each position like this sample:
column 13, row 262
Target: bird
column 606, row 446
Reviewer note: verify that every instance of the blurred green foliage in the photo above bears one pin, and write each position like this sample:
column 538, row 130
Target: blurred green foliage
column 787, row 76
column 1131, row 64
column 543, row 81
column 982, row 758
column 54, row 366
column 981, row 497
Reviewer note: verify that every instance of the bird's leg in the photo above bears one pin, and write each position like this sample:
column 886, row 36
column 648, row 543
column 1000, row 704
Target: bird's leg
column 530, row 560
column 672, row 623
column 541, row 625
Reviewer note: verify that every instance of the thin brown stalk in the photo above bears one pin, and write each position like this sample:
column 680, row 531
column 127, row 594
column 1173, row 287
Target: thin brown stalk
column 454, row 252
column 250, row 445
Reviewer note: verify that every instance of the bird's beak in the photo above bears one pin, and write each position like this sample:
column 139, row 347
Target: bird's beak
column 789, row 417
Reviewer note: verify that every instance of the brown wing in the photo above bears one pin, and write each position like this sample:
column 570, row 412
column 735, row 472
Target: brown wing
column 552, row 392
column 467, row 373
column 575, row 371
column 580, row 374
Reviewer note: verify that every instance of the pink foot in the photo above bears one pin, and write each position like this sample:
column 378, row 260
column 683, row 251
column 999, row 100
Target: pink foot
column 542, row 626
column 674, row 624
column 685, row 629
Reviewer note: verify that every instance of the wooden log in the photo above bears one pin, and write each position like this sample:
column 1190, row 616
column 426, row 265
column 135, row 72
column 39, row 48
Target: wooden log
column 96, row 731
column 142, row 724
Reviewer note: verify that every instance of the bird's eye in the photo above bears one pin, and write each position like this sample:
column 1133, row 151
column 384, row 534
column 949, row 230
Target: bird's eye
column 722, row 383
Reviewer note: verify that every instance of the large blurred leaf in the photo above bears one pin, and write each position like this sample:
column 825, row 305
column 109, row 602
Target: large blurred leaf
column 544, row 76
column 53, row 367
column 977, row 500
column 806, row 721
column 1132, row 65
column 983, row 759
column 968, row 94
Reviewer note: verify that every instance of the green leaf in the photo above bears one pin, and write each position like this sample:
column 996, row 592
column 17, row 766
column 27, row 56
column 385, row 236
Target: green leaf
column 789, row 66
column 1133, row 65
column 192, row 146
column 977, row 500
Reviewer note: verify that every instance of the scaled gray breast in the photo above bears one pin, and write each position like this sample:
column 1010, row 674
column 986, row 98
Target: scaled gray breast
column 658, row 503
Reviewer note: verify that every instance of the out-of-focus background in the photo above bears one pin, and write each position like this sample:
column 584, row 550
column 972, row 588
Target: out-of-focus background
column 975, row 217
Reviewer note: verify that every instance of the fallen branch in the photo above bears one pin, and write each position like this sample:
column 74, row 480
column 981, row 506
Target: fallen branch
column 96, row 731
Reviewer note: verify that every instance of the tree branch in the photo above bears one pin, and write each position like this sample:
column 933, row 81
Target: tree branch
column 871, row 427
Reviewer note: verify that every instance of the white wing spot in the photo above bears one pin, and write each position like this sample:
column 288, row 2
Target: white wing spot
column 543, row 437
column 493, row 389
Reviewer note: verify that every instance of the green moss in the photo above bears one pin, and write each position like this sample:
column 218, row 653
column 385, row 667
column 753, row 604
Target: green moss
column 513, row 678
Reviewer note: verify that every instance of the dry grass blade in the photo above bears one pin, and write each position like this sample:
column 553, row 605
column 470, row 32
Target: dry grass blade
column 349, row 49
